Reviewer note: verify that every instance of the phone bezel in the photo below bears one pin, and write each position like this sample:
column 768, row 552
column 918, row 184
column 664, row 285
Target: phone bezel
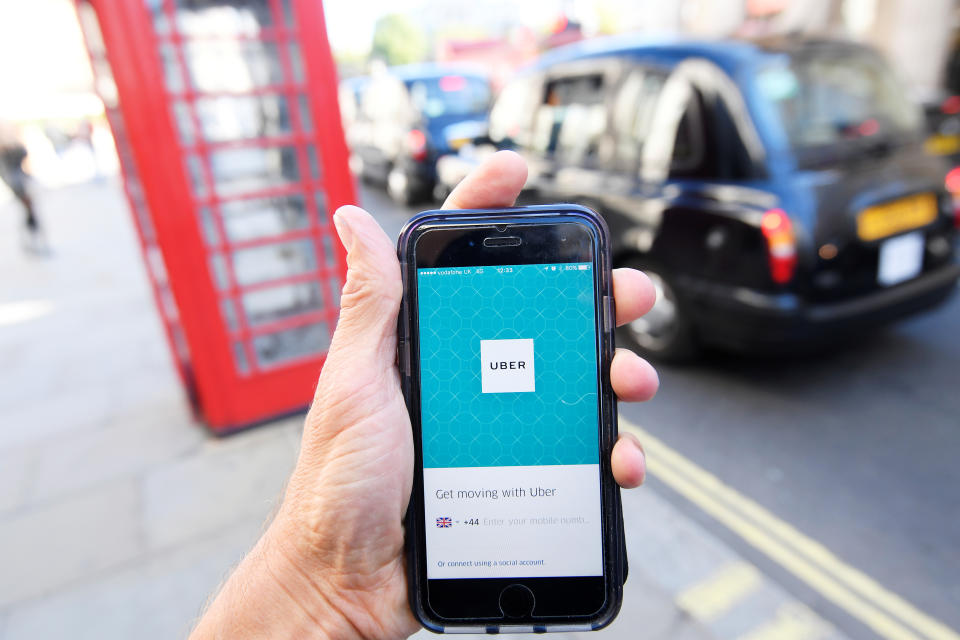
column 426, row 242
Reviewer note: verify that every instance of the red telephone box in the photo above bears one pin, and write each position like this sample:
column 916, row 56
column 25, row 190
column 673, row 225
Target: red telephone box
column 228, row 130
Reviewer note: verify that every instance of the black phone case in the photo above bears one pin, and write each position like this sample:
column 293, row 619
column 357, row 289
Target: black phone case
column 615, row 553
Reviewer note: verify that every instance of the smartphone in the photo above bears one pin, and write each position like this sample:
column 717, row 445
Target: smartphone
column 505, row 342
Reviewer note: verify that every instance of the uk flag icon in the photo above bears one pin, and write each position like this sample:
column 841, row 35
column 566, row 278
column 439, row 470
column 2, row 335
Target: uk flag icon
column 444, row 523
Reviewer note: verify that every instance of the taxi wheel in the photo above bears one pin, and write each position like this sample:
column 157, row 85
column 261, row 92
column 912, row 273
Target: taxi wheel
column 356, row 166
column 399, row 187
column 665, row 333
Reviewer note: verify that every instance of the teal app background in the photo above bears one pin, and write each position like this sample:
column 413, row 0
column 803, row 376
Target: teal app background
column 556, row 423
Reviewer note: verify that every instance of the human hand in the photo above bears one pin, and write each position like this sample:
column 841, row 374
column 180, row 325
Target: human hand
column 331, row 563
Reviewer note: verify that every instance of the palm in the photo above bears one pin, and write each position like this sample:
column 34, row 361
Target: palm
column 332, row 560
column 355, row 472
column 353, row 480
column 367, row 477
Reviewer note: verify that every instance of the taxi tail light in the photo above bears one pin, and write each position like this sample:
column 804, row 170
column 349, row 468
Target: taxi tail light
column 417, row 144
column 452, row 83
column 951, row 105
column 781, row 245
column 952, row 184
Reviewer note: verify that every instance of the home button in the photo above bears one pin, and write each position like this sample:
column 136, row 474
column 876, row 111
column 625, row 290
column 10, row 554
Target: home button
column 516, row 601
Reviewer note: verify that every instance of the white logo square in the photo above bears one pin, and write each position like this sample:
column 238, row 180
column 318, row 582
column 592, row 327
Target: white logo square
column 506, row 365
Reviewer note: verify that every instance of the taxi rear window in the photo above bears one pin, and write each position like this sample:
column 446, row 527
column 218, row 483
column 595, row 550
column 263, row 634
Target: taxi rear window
column 828, row 99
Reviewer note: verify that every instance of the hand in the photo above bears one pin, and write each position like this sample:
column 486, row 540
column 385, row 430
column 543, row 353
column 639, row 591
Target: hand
column 331, row 563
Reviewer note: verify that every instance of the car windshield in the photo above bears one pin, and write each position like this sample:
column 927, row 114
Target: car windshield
column 835, row 101
column 451, row 95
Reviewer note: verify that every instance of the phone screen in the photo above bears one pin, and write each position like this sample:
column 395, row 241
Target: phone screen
column 509, row 420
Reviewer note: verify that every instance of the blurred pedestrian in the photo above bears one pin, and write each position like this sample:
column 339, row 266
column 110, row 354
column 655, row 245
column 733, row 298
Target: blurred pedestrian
column 12, row 156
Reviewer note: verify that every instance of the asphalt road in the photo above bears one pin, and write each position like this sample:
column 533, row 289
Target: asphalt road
column 858, row 448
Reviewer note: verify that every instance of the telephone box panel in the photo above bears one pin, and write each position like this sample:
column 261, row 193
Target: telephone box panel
column 227, row 125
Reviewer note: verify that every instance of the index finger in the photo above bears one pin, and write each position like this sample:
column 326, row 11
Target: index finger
column 495, row 183
column 634, row 294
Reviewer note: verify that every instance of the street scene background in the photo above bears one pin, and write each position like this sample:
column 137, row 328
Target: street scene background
column 802, row 496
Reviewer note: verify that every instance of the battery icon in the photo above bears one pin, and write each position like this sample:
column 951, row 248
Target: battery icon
column 583, row 267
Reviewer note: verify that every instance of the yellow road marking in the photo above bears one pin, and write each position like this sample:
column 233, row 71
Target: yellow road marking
column 812, row 549
column 847, row 587
column 792, row 622
column 716, row 595
column 876, row 619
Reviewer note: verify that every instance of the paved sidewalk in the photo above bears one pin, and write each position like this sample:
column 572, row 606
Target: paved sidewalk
column 119, row 515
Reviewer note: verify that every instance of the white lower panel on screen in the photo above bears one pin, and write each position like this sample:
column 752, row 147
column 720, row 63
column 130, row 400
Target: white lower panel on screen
column 510, row 522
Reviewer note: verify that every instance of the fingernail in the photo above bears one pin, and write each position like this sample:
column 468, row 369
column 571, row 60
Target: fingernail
column 343, row 230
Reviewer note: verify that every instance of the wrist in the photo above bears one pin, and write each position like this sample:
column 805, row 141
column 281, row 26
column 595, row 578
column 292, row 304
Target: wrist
column 364, row 595
column 270, row 595
column 295, row 571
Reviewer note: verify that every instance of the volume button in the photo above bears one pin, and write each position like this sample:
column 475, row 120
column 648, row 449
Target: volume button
column 404, row 357
column 608, row 313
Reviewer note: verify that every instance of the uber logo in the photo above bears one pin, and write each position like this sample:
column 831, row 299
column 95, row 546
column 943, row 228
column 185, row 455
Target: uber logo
column 506, row 365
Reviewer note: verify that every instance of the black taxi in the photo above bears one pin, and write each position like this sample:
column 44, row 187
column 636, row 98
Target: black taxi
column 777, row 193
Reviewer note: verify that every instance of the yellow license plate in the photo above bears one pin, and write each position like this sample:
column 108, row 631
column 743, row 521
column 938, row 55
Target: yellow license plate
column 456, row 143
column 941, row 145
column 885, row 220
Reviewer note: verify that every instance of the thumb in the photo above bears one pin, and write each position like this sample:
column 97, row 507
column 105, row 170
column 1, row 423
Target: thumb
column 366, row 332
